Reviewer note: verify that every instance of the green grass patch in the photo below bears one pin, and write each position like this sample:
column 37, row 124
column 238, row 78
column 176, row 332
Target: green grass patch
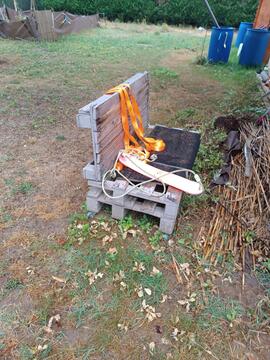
column 13, row 284
column 219, row 310
column 164, row 74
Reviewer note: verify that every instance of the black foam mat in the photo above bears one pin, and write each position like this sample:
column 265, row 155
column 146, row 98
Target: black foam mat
column 181, row 149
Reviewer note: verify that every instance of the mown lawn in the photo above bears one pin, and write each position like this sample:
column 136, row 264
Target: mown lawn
column 112, row 285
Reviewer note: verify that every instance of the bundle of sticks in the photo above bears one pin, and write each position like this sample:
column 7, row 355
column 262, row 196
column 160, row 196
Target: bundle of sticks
column 240, row 223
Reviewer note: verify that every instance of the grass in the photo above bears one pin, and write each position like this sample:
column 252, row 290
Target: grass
column 43, row 86
column 219, row 310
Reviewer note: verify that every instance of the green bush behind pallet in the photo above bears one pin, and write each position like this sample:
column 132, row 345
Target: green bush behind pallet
column 174, row 12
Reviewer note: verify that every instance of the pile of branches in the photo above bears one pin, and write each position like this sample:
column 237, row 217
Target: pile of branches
column 240, row 223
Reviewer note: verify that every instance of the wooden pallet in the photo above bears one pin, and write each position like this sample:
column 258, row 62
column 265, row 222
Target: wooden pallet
column 147, row 200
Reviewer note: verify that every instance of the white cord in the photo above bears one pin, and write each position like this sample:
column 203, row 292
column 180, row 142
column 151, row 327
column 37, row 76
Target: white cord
column 113, row 173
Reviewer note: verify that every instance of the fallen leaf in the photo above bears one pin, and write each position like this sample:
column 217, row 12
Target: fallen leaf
column 139, row 267
column 122, row 327
column 150, row 312
column 56, row 319
column 106, row 239
column 165, row 341
column 112, row 251
column 155, row 271
column 148, row 291
column 132, row 232
column 164, row 298
column 123, row 285
column 152, row 346
column 30, row 270
column 93, row 276
column 170, row 242
column 42, row 347
column 60, row 280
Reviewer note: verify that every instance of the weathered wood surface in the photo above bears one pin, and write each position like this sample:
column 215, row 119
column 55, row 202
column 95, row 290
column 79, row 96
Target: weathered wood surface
column 148, row 192
column 45, row 23
column 102, row 116
column 148, row 201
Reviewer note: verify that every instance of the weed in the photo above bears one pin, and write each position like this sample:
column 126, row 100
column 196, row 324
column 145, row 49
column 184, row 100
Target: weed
column 26, row 352
column 13, row 284
column 5, row 217
column 165, row 28
column 60, row 137
column 155, row 239
column 262, row 312
column 25, row 187
column 165, row 74
column 145, row 223
column 266, row 265
column 79, row 216
column 219, row 309
column 200, row 60
column 262, row 274
column 44, row 309
column 78, row 232
column 126, row 223
column 209, row 158
column 51, row 120
column 36, row 124
column 9, row 182
column 249, row 236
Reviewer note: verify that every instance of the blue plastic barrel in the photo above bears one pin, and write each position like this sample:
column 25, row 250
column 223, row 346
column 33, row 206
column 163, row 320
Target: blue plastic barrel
column 242, row 32
column 220, row 44
column 254, row 47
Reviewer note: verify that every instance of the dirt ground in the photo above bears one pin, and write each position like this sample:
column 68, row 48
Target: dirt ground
column 41, row 159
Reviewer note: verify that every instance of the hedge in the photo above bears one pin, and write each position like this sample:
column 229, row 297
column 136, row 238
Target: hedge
column 174, row 12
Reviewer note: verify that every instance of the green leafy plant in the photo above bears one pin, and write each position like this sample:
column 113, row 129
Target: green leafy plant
column 13, row 283
column 155, row 239
column 145, row 223
column 126, row 223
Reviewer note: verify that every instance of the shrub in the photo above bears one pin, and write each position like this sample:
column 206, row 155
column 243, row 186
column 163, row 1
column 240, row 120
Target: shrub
column 175, row 12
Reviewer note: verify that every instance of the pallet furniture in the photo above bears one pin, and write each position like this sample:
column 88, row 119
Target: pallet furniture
column 102, row 116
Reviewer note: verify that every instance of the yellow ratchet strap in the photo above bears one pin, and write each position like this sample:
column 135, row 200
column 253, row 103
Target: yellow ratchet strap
column 129, row 109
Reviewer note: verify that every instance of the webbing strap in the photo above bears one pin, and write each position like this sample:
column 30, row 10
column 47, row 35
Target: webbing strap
column 130, row 110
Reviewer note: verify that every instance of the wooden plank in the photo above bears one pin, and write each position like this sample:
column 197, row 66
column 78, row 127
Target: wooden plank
column 110, row 103
column 113, row 133
column 92, row 172
column 112, row 116
column 167, row 199
column 113, row 111
column 83, row 121
column 106, row 123
column 83, row 118
column 102, row 116
column 45, row 23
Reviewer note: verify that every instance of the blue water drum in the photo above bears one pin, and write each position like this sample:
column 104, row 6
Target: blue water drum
column 220, row 44
column 254, row 47
column 242, row 32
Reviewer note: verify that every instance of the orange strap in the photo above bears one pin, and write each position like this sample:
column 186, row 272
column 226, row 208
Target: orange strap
column 130, row 110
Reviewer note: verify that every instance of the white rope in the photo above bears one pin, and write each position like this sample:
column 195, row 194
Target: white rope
column 114, row 171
